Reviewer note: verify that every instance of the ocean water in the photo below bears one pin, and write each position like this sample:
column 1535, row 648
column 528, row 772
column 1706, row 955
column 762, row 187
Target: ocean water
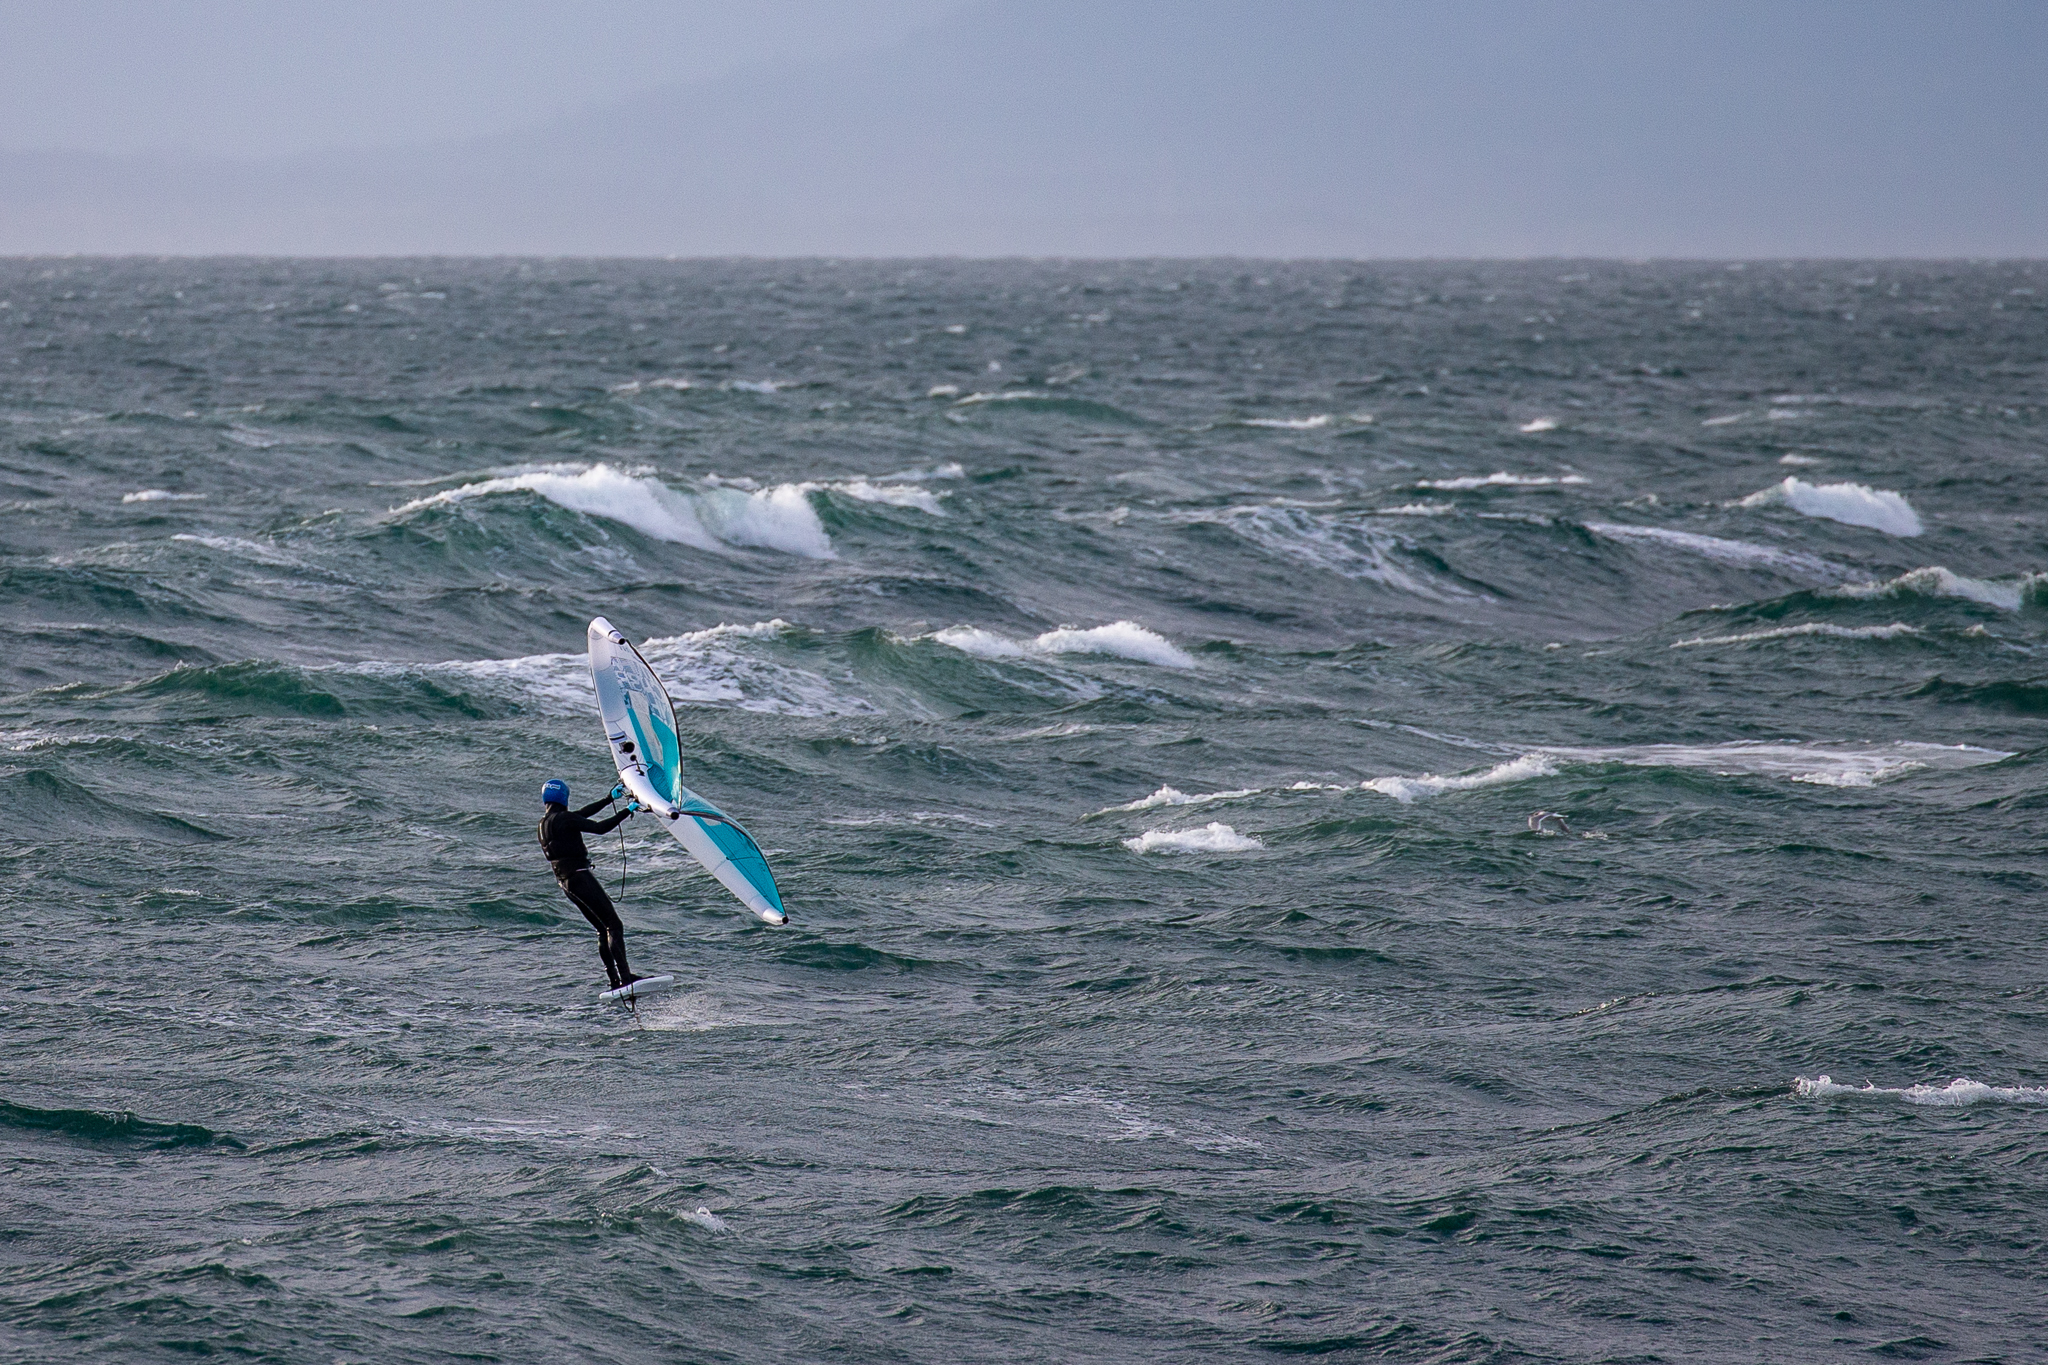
column 1142, row 676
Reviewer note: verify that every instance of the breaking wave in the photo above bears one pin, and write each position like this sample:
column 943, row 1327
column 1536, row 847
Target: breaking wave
column 1956, row 1093
column 1852, row 504
column 2007, row 594
column 1123, row 639
column 778, row 518
column 1214, row 837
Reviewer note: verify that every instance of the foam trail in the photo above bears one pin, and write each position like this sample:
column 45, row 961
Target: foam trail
column 1890, row 632
column 1334, row 545
column 1715, row 548
column 1214, row 837
column 1936, row 581
column 1173, row 796
column 160, row 495
column 1501, row 479
column 1960, row 1091
column 1852, row 504
column 1825, row 765
column 1123, row 639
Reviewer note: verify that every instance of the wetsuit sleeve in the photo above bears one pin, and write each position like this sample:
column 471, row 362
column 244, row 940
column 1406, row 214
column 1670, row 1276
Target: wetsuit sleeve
column 592, row 809
column 602, row 826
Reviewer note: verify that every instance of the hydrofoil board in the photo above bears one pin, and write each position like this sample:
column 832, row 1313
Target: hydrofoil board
column 646, row 985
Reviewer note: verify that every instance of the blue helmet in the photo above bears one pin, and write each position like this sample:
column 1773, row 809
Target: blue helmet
column 555, row 792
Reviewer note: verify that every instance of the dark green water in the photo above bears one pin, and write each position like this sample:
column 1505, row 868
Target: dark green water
column 1141, row 676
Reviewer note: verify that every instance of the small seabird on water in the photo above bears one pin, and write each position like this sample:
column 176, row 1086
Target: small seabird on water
column 1549, row 822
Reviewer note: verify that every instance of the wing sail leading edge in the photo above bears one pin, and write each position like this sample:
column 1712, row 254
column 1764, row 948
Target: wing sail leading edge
column 640, row 726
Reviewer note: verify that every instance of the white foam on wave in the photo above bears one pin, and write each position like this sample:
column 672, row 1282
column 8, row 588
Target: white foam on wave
column 1501, row 479
column 952, row 469
column 1724, row 421
column 1958, row 1092
column 1343, row 545
column 1173, row 796
column 778, row 518
column 1315, row 423
column 1122, row 639
column 1852, row 504
column 1416, row 509
column 1890, row 632
column 160, row 495
column 1406, row 789
column 1214, row 837
column 716, row 667
column 706, row 1219
column 1935, row 581
column 1718, row 549
column 888, row 494
column 758, row 385
column 1009, row 396
column 1826, row 765
column 1540, row 424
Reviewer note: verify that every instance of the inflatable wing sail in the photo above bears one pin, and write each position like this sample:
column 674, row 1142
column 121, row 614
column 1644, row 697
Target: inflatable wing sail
column 640, row 724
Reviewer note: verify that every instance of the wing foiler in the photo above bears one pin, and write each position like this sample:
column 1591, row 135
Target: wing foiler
column 640, row 724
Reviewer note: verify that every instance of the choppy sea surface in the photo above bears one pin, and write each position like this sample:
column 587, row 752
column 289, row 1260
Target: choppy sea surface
column 1142, row 676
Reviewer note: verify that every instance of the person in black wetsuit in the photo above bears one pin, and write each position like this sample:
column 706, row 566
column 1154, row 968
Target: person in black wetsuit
column 561, row 839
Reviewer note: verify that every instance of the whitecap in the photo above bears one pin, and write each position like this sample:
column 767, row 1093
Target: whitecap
column 1315, row 423
column 1830, row 765
column 1935, row 581
column 1501, row 479
column 1010, row 396
column 1123, row 639
column 1852, row 504
column 1214, row 837
column 1724, row 421
column 705, row 1218
column 1538, row 425
column 952, row 469
column 1416, row 509
column 887, row 494
column 1173, row 796
column 1890, row 632
column 758, row 385
column 1406, row 789
column 779, row 518
column 1799, row 460
column 1958, row 1092
column 160, row 495
column 1716, row 548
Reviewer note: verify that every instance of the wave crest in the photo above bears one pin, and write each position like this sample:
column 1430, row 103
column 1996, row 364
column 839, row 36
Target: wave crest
column 1852, row 504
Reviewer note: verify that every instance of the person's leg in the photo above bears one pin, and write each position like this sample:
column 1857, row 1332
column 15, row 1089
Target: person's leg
column 587, row 894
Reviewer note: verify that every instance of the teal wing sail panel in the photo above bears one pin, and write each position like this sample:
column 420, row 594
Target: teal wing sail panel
column 640, row 726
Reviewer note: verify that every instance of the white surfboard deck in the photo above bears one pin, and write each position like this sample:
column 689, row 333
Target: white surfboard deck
column 646, row 985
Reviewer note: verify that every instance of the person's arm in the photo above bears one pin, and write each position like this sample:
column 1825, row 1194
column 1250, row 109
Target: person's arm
column 592, row 809
column 604, row 826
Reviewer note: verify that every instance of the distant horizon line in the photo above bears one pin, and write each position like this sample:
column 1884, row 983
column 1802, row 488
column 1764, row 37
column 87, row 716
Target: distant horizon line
column 1050, row 258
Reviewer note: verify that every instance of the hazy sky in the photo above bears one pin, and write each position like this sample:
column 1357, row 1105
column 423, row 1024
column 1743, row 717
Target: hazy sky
column 1027, row 127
